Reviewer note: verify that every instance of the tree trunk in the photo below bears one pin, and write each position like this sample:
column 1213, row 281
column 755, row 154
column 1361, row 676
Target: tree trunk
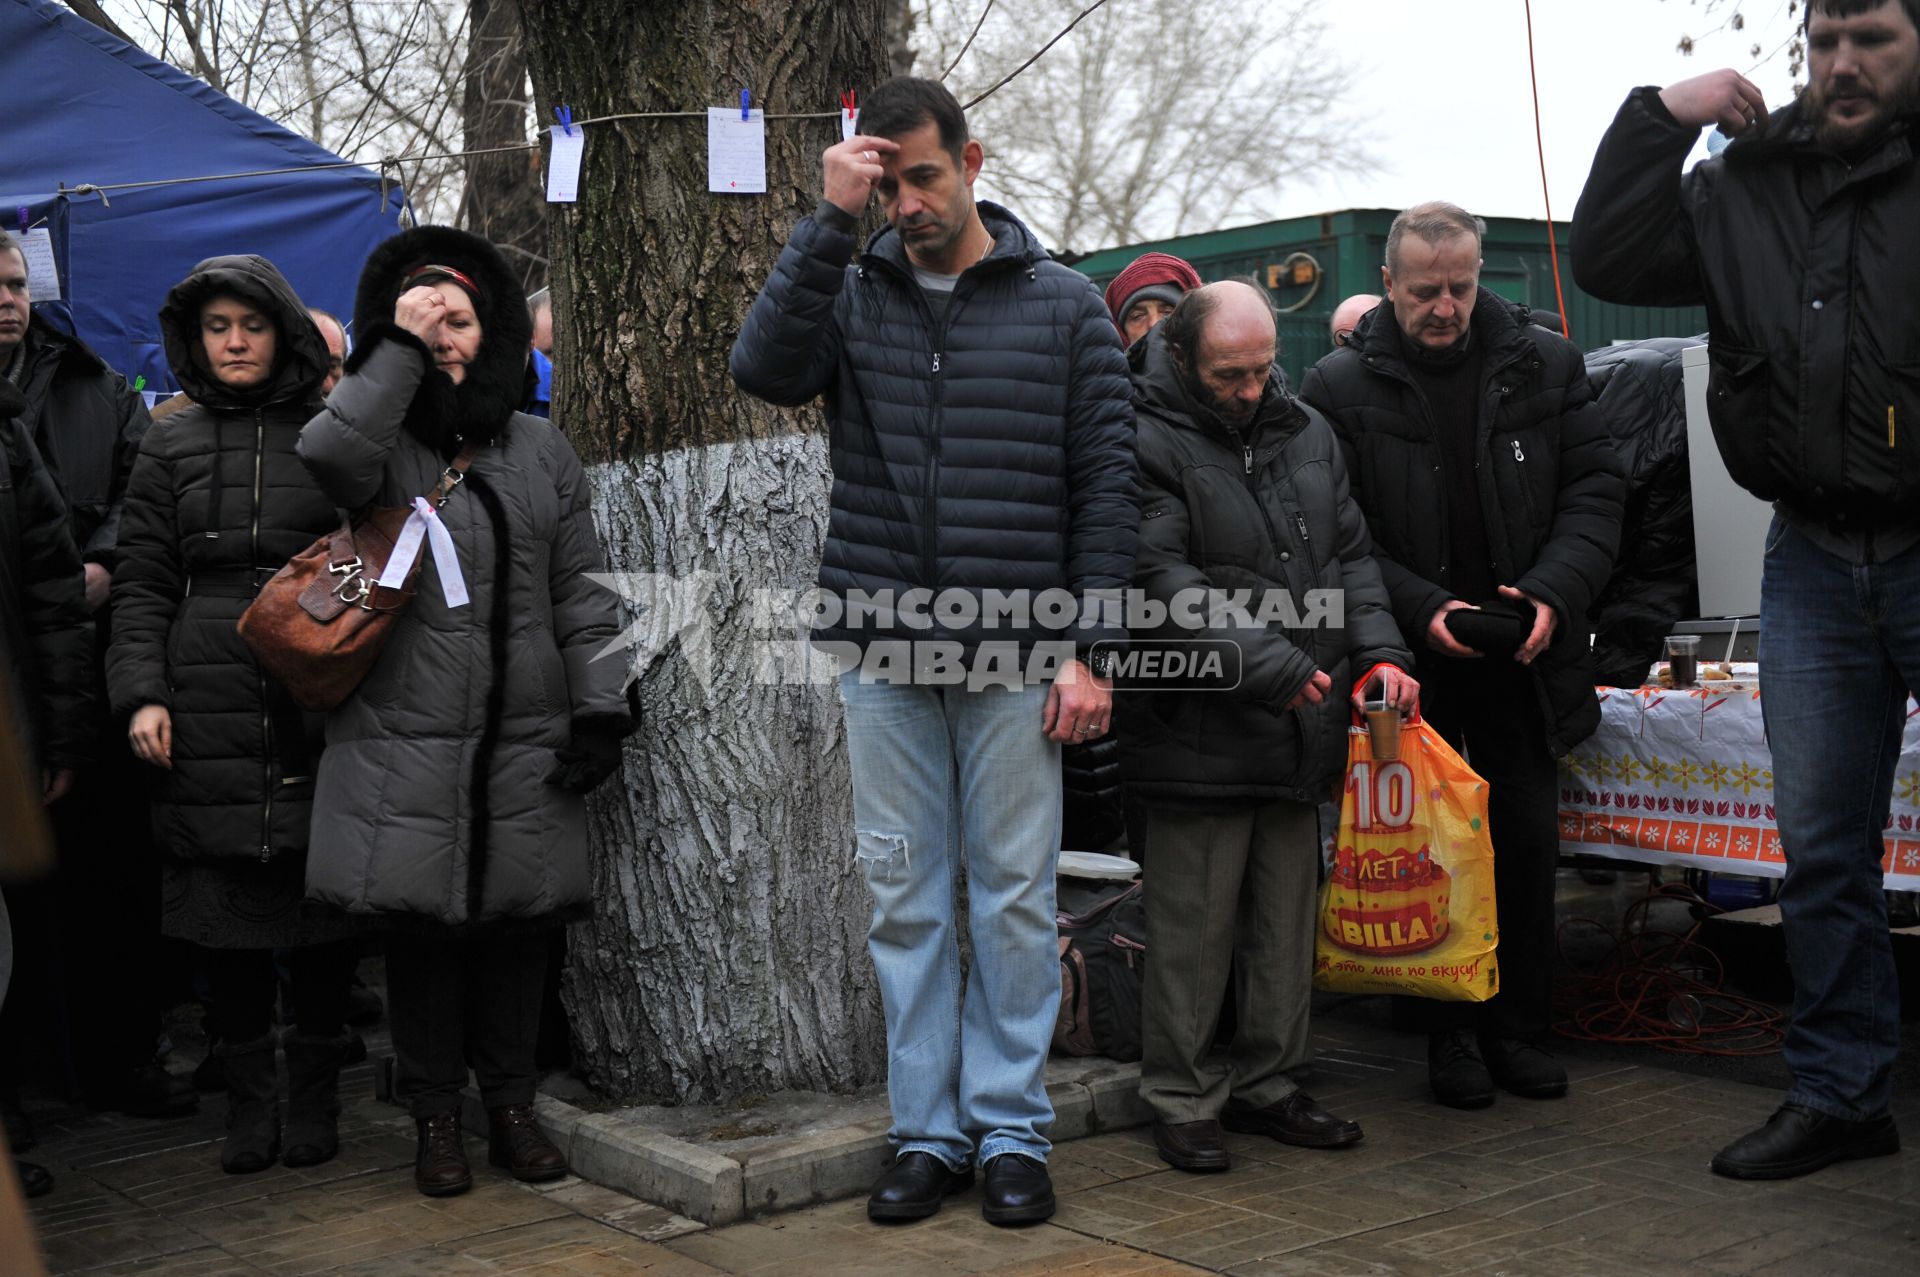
column 726, row 955
column 505, row 198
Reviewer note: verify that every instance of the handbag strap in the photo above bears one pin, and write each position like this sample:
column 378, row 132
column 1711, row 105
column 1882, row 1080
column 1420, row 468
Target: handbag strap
column 450, row 477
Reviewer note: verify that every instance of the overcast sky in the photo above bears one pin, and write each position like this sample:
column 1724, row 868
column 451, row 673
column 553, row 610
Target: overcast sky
column 1450, row 107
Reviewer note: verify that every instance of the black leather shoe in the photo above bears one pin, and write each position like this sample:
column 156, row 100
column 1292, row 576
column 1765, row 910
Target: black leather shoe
column 1523, row 1068
column 1456, row 1072
column 914, row 1187
column 1298, row 1120
column 1019, row 1190
column 35, row 1179
column 1796, row 1140
column 1191, row 1146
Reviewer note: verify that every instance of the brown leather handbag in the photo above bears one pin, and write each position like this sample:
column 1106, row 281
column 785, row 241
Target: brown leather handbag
column 318, row 625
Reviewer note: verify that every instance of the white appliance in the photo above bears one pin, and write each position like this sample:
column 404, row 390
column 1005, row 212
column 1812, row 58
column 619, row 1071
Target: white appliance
column 1729, row 523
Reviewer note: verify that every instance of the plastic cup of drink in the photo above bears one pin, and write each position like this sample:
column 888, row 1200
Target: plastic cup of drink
column 1683, row 659
column 1383, row 725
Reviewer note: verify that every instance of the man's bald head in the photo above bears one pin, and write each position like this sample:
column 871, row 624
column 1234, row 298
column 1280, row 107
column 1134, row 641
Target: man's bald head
column 1224, row 340
column 1350, row 312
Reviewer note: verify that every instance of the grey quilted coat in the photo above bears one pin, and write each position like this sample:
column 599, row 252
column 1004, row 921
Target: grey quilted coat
column 434, row 797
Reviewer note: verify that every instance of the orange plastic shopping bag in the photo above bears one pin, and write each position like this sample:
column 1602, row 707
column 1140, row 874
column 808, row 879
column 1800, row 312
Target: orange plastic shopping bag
column 1408, row 903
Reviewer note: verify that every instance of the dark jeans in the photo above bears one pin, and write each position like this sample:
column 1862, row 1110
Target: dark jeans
column 242, row 984
column 1489, row 711
column 1839, row 650
column 455, row 1003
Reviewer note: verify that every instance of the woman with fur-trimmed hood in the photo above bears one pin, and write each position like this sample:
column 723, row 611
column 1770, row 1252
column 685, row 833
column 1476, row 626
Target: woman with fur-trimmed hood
column 452, row 796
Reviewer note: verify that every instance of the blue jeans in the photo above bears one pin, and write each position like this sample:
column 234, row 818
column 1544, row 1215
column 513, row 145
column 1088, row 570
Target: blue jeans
column 1839, row 648
column 939, row 770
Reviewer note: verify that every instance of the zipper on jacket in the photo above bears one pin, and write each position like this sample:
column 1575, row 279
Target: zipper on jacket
column 1517, row 454
column 253, row 567
column 266, row 774
column 1246, row 450
column 1300, row 522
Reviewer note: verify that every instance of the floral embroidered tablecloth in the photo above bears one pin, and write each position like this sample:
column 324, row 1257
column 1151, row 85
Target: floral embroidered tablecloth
column 1686, row 778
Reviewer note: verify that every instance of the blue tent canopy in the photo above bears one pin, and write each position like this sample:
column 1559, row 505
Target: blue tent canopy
column 99, row 111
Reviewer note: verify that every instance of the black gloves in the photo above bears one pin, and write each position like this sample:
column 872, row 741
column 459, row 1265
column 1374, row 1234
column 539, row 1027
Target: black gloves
column 593, row 755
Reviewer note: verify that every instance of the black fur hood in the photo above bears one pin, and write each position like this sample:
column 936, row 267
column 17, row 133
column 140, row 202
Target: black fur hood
column 442, row 414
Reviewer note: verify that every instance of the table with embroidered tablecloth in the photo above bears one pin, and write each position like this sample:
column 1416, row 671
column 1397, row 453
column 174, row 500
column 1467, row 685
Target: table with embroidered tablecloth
column 1685, row 777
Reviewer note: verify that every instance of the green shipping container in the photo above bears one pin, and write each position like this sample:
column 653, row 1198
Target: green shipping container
column 1309, row 264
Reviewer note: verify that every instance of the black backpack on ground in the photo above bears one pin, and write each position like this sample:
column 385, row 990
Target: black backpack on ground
column 1103, row 968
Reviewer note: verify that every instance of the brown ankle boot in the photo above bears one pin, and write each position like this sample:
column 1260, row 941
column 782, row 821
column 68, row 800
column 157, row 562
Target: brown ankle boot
column 515, row 1142
column 440, row 1167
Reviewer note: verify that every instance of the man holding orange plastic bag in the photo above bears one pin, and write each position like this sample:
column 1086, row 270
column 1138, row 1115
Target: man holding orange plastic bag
column 1494, row 497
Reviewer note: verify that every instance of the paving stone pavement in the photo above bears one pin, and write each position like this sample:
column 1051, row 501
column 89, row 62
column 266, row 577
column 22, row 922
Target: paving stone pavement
column 1611, row 1180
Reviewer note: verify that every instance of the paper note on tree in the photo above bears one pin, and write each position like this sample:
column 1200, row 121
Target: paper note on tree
column 563, row 164
column 43, row 276
column 736, row 151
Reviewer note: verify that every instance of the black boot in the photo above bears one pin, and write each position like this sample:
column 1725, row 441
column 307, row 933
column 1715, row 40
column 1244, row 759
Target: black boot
column 313, row 1098
column 440, row 1160
column 253, row 1106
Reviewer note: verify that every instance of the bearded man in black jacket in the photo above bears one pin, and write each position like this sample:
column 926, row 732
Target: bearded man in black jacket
column 1490, row 484
column 1799, row 239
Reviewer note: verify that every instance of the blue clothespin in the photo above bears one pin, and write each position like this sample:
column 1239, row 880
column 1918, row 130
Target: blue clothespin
column 744, row 98
column 564, row 114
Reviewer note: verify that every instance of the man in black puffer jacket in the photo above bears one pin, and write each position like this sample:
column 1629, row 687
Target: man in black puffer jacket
column 1800, row 240
column 982, row 446
column 1244, row 489
column 1494, row 497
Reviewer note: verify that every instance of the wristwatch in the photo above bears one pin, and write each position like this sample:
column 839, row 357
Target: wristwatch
column 1101, row 661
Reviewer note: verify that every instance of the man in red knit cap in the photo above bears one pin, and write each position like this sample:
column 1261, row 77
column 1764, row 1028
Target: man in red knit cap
column 1147, row 291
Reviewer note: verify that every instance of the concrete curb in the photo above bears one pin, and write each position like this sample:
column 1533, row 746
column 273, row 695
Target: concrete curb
column 1090, row 1097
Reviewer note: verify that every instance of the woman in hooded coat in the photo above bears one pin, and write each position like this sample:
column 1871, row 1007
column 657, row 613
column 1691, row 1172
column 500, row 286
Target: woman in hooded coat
column 454, row 783
column 217, row 503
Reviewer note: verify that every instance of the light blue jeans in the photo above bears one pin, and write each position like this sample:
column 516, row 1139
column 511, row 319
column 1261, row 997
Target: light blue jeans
column 939, row 770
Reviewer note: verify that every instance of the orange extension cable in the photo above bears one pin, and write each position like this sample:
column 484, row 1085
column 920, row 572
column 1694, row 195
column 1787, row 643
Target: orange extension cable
column 1540, row 142
column 1660, row 988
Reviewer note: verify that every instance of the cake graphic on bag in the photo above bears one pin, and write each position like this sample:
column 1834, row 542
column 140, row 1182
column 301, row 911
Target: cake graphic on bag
column 1387, row 895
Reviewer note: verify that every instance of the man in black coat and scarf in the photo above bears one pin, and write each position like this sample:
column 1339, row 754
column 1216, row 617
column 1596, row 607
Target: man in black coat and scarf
column 1491, row 486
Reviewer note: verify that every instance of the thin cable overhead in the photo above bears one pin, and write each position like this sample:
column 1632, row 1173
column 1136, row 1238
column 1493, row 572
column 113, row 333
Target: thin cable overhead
column 387, row 161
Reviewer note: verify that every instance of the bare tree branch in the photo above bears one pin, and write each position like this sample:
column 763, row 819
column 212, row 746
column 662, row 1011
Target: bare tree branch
column 98, row 17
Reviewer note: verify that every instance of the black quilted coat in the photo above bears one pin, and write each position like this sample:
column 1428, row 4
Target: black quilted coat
column 1656, row 581
column 46, row 636
column 1263, row 508
column 87, row 422
column 218, row 501
column 1548, row 482
column 990, row 449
